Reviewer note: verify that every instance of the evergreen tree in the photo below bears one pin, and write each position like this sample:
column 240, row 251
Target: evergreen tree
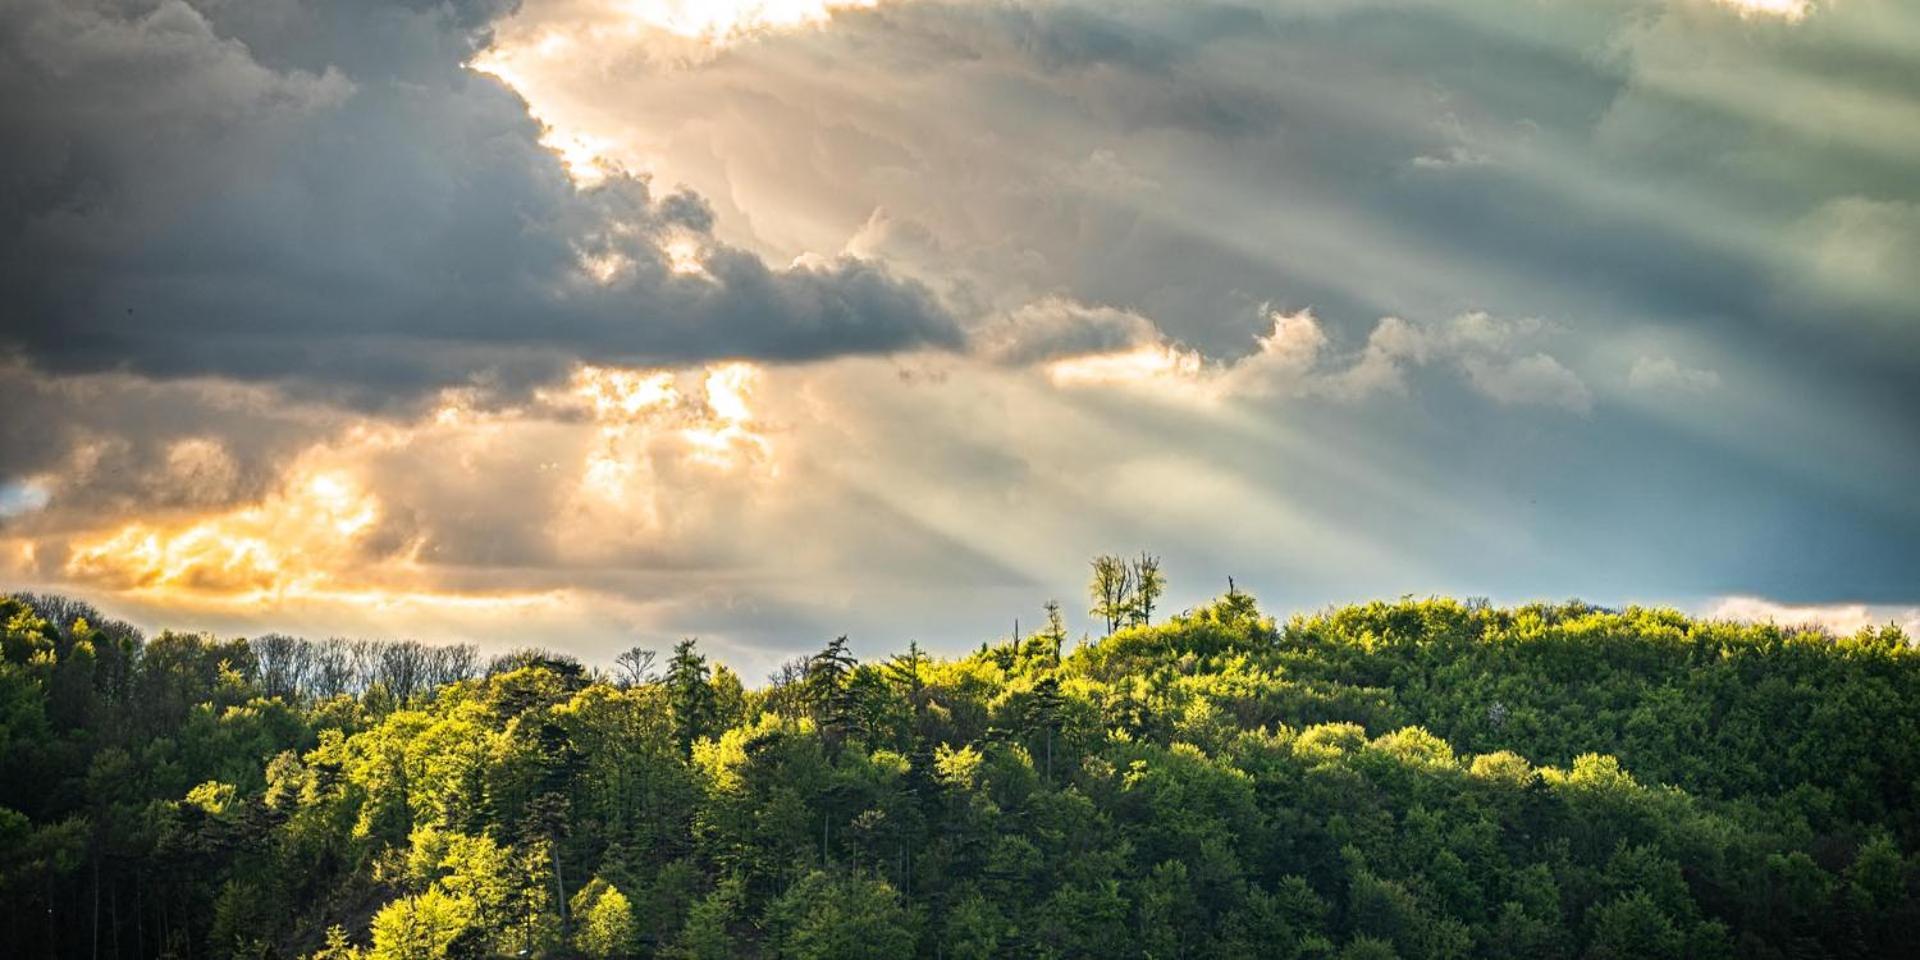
column 689, row 695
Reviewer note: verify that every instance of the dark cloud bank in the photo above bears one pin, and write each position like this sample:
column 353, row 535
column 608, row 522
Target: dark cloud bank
column 320, row 191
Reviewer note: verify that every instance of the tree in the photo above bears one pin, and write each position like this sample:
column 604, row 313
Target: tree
column 450, row 663
column 284, row 662
column 1112, row 591
column 420, row 927
column 709, row 933
column 827, row 917
column 829, row 688
column 634, row 666
column 1054, row 634
column 1212, row 786
column 401, row 667
column 1043, row 715
column 1632, row 926
column 549, row 820
column 1148, row 584
column 603, row 919
column 690, row 695
column 904, row 671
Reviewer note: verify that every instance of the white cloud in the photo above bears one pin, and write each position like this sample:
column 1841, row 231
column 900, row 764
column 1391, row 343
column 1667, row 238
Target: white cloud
column 1055, row 327
column 1532, row 379
column 1292, row 359
column 1663, row 373
column 1784, row 9
column 1845, row 618
column 1863, row 250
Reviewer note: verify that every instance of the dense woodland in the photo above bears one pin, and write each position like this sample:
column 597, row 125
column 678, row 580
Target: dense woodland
column 1420, row 779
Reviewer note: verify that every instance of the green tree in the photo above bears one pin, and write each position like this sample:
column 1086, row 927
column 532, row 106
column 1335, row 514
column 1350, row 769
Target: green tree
column 1632, row 927
column 710, row 930
column 420, row 927
column 690, row 695
column 1148, row 584
column 827, row 917
column 603, row 921
column 1112, row 591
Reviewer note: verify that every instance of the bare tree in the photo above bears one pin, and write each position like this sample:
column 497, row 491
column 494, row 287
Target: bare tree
column 332, row 674
column 364, row 655
column 451, row 663
column 283, row 663
column 634, row 667
column 786, row 688
column 402, row 668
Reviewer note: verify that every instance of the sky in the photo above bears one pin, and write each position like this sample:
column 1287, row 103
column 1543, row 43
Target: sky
column 592, row 323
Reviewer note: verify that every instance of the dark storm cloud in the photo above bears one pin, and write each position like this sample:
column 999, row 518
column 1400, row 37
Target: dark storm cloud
column 321, row 191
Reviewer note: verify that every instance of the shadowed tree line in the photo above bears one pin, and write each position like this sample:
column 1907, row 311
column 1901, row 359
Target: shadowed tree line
column 1420, row 779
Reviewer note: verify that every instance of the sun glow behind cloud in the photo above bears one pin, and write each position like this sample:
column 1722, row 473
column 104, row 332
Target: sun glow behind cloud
column 632, row 408
column 1784, row 9
column 1145, row 363
column 353, row 521
column 527, row 50
column 721, row 21
column 292, row 542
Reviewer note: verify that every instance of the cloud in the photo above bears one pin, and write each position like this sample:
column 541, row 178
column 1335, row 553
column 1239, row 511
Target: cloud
column 763, row 507
column 884, row 319
column 464, row 505
column 322, row 191
column 1862, row 250
column 1842, row 618
column 1532, row 379
column 1279, row 148
column 1293, row 360
column 1056, row 327
column 1784, row 9
column 1664, row 374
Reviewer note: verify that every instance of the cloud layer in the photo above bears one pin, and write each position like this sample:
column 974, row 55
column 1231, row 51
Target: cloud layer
column 572, row 320
column 323, row 191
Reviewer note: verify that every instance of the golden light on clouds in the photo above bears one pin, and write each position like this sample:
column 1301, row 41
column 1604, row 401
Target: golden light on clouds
column 291, row 542
column 535, row 49
column 684, row 255
column 721, row 21
column 665, row 445
column 1146, row 363
column 728, row 438
column 583, row 154
column 617, row 394
column 636, row 409
column 729, row 387
column 378, row 513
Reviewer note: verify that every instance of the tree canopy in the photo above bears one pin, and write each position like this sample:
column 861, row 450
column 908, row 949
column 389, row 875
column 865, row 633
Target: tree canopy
column 1416, row 779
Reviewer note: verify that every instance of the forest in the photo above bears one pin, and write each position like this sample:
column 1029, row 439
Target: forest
column 1420, row 779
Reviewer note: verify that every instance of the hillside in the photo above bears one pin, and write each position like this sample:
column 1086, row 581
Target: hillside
column 1421, row 779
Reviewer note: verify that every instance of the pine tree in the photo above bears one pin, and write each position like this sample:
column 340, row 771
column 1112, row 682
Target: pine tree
column 829, row 688
column 690, row 695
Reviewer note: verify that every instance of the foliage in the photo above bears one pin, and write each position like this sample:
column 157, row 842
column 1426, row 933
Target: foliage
column 1420, row 780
